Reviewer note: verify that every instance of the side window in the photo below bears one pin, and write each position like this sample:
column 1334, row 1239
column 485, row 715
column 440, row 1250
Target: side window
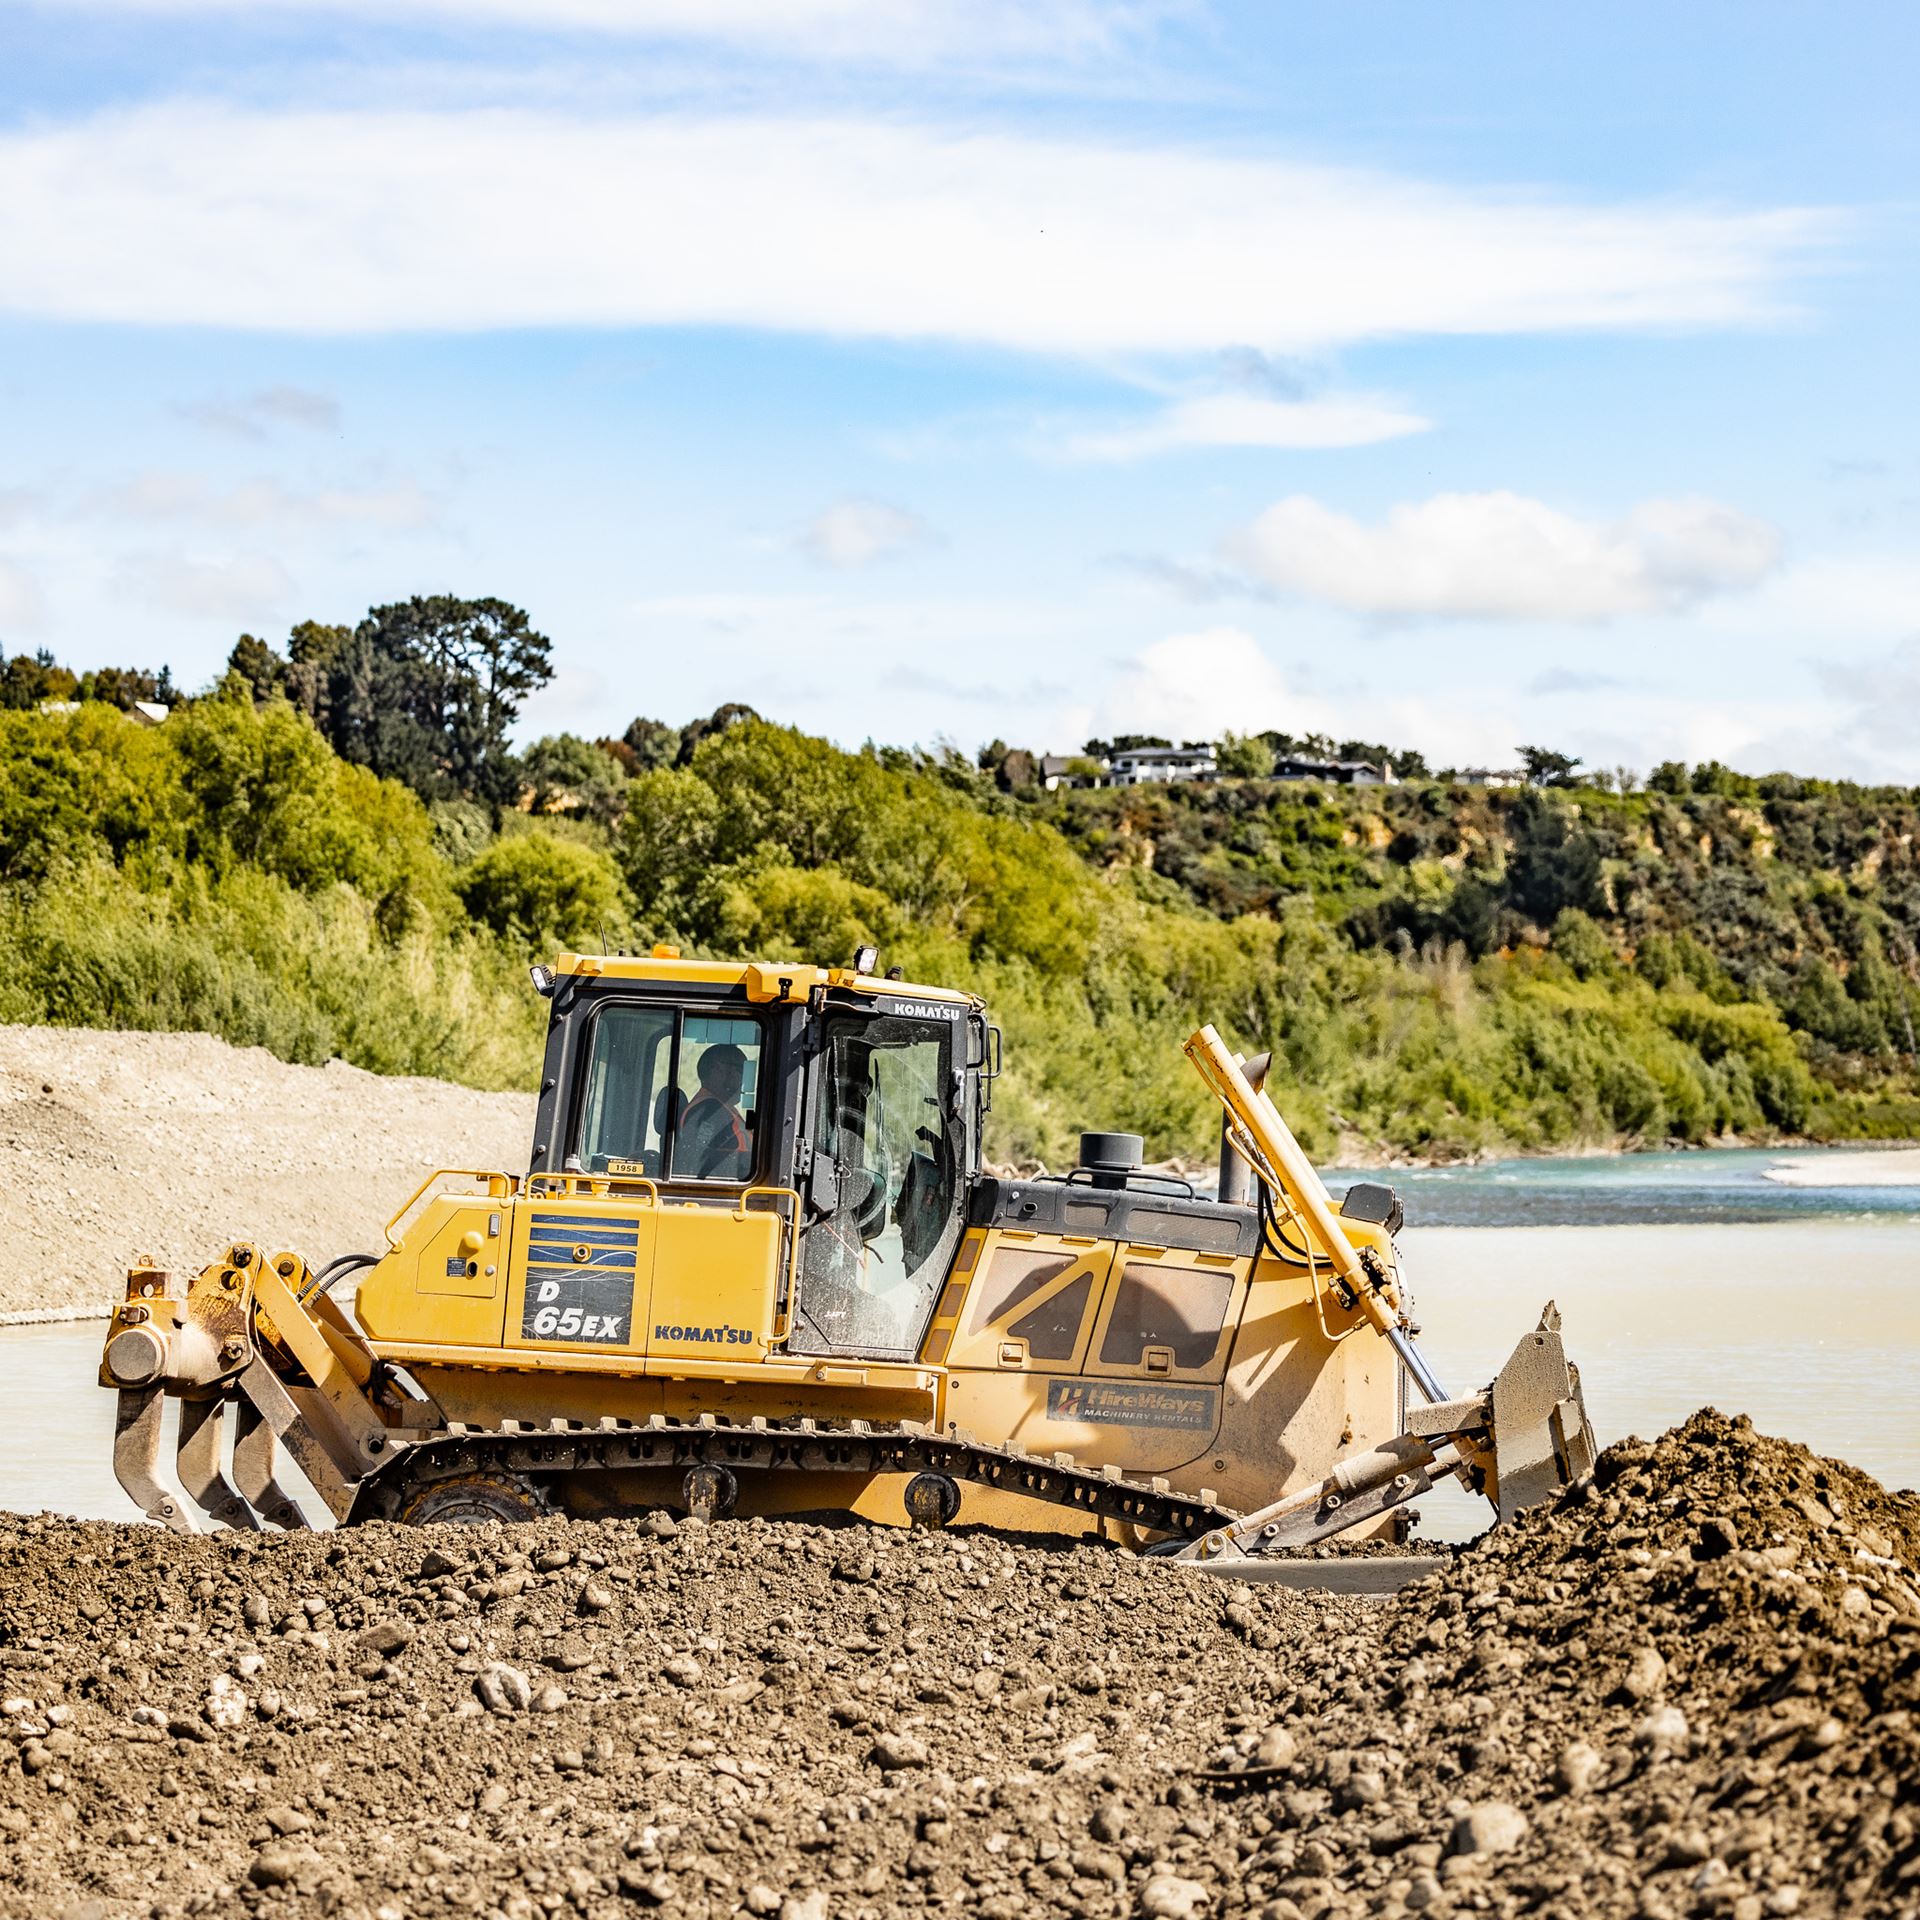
column 671, row 1094
column 1179, row 1307
column 622, row 1116
column 716, row 1098
column 1015, row 1275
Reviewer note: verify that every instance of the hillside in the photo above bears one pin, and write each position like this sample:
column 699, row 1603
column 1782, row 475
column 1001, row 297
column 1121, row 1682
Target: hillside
column 1440, row 970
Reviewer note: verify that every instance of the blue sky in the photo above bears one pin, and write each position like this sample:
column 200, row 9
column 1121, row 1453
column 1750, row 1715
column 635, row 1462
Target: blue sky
column 948, row 368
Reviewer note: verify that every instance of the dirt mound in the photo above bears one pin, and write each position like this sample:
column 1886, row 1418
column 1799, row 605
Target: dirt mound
column 1689, row 1688
column 113, row 1144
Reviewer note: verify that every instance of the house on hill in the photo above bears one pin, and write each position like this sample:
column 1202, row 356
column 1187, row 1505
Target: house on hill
column 1161, row 766
column 1337, row 773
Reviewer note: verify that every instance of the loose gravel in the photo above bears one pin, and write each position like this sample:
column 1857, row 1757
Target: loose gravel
column 1687, row 1688
column 114, row 1145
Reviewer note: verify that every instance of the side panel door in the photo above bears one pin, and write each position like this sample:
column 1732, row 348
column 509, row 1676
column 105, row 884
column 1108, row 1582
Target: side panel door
column 716, row 1277
column 582, row 1272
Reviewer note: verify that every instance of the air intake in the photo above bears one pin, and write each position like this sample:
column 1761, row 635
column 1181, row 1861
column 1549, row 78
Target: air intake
column 1110, row 1157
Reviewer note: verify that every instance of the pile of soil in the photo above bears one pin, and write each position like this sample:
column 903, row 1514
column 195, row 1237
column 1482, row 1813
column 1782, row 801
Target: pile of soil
column 176, row 1144
column 1688, row 1688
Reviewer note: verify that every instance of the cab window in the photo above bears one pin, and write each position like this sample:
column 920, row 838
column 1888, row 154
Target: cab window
column 716, row 1094
column 883, row 1199
column 671, row 1094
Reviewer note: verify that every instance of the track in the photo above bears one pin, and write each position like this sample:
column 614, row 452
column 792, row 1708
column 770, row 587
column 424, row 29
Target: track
column 798, row 1446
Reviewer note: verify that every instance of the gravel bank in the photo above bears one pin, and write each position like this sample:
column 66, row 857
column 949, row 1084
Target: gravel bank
column 113, row 1144
column 1688, row 1689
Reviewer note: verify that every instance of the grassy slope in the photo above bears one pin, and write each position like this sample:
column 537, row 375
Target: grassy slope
column 1438, row 972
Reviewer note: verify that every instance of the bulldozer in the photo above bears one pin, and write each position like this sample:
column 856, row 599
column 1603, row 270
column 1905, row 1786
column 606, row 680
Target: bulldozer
column 756, row 1265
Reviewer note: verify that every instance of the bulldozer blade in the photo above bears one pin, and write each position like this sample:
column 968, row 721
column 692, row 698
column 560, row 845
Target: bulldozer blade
column 202, row 1429
column 253, row 1463
column 136, row 1457
column 1542, row 1438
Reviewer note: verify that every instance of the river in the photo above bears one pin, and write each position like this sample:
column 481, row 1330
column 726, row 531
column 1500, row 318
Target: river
column 1683, row 1280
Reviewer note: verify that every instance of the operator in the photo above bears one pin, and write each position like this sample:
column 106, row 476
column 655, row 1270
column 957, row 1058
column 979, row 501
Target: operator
column 714, row 1144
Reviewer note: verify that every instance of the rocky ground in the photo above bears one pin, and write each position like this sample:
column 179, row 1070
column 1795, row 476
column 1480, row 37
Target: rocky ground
column 1689, row 1688
column 116, row 1144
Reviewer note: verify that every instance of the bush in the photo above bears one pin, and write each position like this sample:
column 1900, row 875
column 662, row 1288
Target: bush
column 543, row 893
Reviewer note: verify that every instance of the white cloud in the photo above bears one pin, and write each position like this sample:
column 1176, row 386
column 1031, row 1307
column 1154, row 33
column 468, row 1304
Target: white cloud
column 856, row 533
column 1249, row 420
column 21, row 608
column 1194, row 686
column 252, row 417
column 243, row 587
column 344, row 221
column 165, row 494
column 915, row 33
column 1503, row 556
column 1882, row 697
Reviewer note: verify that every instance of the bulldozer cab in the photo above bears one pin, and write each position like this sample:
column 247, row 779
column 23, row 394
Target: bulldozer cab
column 752, row 1156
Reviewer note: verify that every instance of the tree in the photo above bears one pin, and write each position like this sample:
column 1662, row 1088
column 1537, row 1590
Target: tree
column 718, row 721
column 1555, row 864
column 570, row 775
column 1546, row 768
column 652, row 743
column 425, row 689
column 545, row 893
column 1017, row 768
column 259, row 666
column 1670, row 776
column 29, row 679
column 666, row 840
column 1244, row 756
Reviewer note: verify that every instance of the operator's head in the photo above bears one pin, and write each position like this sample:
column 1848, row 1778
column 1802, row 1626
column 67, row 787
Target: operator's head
column 723, row 1070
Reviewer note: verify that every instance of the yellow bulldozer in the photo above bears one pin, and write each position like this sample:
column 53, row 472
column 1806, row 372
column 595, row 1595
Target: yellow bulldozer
column 755, row 1266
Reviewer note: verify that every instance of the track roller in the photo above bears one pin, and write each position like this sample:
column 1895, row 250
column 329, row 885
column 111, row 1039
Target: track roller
column 709, row 1491
column 474, row 1500
column 933, row 1500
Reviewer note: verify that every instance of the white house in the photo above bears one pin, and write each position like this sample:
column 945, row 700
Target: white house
column 1162, row 766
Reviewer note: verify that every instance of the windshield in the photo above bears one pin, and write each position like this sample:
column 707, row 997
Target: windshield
column 883, row 1196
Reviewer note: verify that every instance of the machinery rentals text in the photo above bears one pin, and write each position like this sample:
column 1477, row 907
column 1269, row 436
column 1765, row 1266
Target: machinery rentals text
column 755, row 1267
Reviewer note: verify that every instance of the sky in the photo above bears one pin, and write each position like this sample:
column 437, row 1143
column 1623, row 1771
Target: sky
column 942, row 370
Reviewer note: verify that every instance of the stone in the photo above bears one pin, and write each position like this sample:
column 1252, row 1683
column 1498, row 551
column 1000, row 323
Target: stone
column 1494, row 1826
column 550, row 1699
column 494, row 1798
column 1664, row 1730
column 1169, row 1897
column 503, row 1689
column 1646, row 1675
column 683, row 1670
column 595, row 1597
column 893, row 1752
column 436, row 1565
column 761, row 1899
column 653, row 1889
column 1277, row 1748
column 1578, row 1766
column 660, row 1526
column 286, row 1820
column 385, row 1636
column 225, row 1705
column 280, row 1865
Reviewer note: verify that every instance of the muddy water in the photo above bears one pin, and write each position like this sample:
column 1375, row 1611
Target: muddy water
column 1808, row 1320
